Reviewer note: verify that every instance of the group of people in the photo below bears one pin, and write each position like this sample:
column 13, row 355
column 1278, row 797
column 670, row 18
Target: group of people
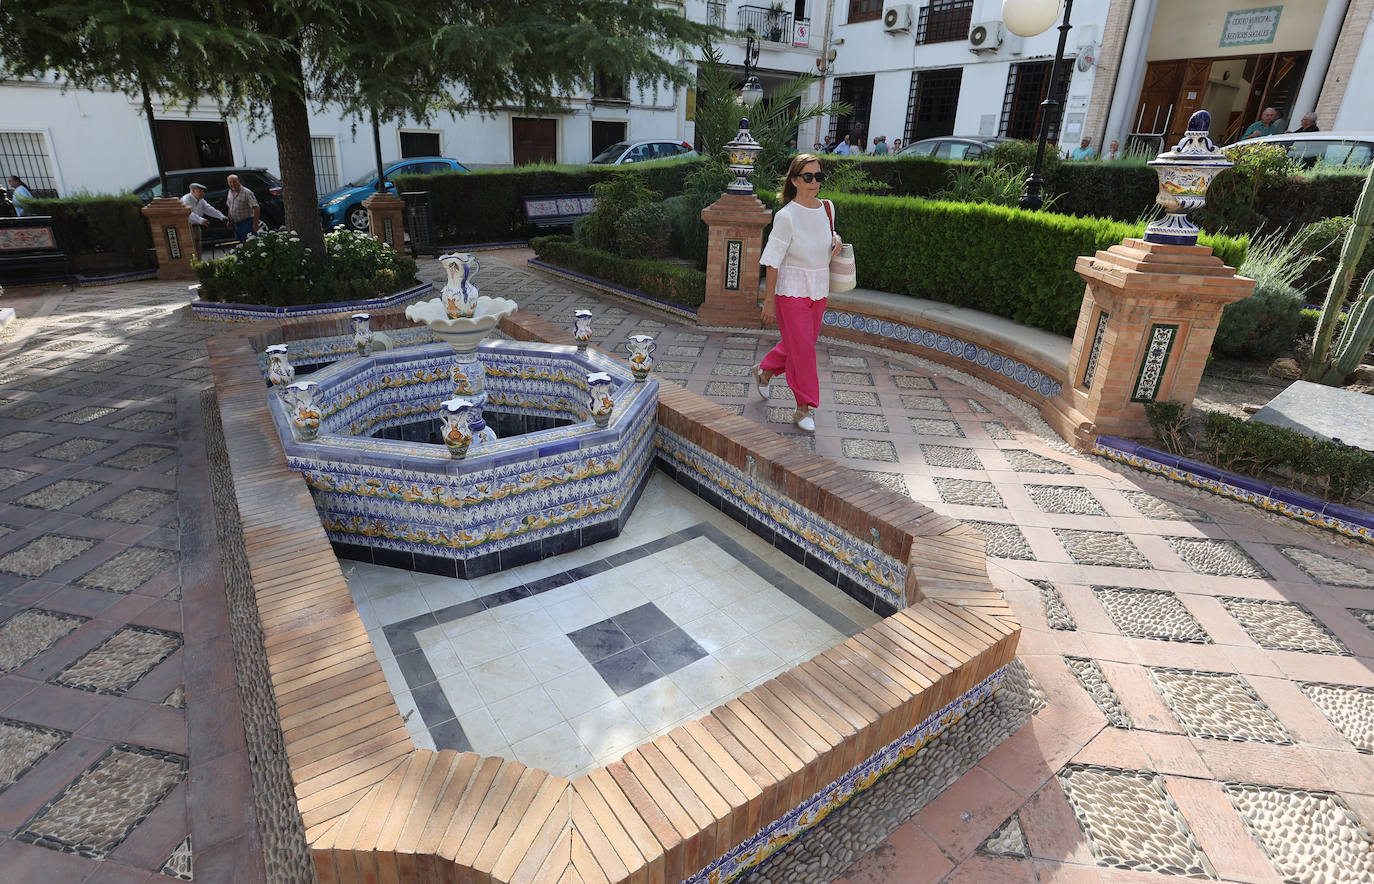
column 856, row 145
column 243, row 217
column 1271, row 122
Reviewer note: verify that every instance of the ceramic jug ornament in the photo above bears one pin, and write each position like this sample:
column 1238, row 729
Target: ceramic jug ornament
column 279, row 370
column 599, row 401
column 362, row 333
column 582, row 328
column 641, row 349
column 460, row 295
column 457, row 427
column 304, row 408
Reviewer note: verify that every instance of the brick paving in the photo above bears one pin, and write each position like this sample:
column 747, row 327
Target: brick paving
column 1206, row 665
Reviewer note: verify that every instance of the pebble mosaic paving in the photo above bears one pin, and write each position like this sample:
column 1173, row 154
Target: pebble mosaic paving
column 1218, row 706
column 1008, row 840
column 1089, row 674
column 120, row 661
column 1309, row 836
column 1150, row 613
column 22, row 746
column 1329, row 569
column 1350, row 708
column 1057, row 614
column 1220, row 558
column 1283, row 626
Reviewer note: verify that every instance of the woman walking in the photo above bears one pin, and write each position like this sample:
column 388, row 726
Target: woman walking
column 798, row 260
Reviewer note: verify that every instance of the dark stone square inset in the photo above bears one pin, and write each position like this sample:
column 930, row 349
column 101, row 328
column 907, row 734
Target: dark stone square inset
column 627, row 671
column 600, row 640
column 673, row 650
column 643, row 623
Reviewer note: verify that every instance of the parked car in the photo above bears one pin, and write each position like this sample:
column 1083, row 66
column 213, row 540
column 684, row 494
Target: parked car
column 641, row 151
column 1353, row 149
column 265, row 186
column 952, row 147
column 345, row 205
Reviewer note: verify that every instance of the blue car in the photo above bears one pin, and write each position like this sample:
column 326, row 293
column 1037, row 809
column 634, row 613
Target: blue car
column 345, row 205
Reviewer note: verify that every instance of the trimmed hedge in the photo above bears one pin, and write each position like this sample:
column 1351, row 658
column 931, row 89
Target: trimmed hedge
column 100, row 233
column 668, row 282
column 486, row 205
column 1002, row 261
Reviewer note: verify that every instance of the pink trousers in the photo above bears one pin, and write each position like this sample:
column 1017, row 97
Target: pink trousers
column 799, row 321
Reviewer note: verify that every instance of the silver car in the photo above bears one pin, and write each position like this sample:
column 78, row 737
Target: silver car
column 952, row 147
column 1354, row 149
column 642, row 151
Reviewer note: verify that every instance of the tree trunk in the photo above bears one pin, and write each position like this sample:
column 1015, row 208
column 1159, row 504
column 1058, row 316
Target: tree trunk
column 291, row 120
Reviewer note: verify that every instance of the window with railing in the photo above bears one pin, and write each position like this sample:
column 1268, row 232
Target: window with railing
column 325, row 155
column 864, row 10
column 932, row 103
column 608, row 87
column 715, row 13
column 25, row 155
column 944, row 21
column 1027, row 86
column 772, row 24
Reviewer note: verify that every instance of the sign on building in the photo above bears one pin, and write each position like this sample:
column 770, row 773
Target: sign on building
column 1245, row 27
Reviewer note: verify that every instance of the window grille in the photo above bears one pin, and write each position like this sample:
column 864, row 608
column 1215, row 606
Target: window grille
column 944, row 21
column 326, row 160
column 25, row 154
column 932, row 103
column 1027, row 85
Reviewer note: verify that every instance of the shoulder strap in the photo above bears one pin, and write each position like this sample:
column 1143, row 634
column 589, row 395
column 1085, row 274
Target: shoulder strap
column 829, row 214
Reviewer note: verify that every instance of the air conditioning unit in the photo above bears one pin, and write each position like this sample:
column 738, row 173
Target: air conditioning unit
column 985, row 36
column 897, row 19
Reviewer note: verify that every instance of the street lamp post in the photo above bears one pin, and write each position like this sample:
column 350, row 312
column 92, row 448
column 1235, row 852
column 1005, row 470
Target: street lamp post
column 1027, row 18
column 752, row 91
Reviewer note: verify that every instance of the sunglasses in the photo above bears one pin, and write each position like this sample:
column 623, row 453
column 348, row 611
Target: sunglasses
column 809, row 177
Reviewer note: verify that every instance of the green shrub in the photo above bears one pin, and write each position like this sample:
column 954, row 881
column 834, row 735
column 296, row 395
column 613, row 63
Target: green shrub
column 100, row 233
column 614, row 197
column 667, row 282
column 1311, row 196
column 989, row 185
column 643, row 232
column 1020, row 155
column 1169, row 420
column 1234, row 200
column 1321, row 242
column 1265, row 324
column 904, row 176
column 1121, row 190
column 276, row 269
column 1330, row 469
column 999, row 260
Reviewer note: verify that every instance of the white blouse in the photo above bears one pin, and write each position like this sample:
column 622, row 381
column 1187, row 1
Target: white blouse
column 799, row 247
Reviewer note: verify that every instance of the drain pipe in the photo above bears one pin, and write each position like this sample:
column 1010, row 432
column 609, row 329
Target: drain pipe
column 825, row 69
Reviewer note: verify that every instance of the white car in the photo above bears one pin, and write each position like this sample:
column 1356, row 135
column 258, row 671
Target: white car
column 1328, row 148
column 642, row 151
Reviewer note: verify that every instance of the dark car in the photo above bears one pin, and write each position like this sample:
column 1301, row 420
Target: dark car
column 952, row 147
column 265, row 186
column 345, row 205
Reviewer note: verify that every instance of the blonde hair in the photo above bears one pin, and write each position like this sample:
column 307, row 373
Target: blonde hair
column 799, row 162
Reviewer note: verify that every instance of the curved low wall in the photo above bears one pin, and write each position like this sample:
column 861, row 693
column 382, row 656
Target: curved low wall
column 230, row 311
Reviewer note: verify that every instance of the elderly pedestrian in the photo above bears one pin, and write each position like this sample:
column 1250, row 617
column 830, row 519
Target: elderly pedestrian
column 201, row 213
column 244, row 212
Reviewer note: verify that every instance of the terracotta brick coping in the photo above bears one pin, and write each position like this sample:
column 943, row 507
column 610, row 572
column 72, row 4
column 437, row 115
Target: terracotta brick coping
column 375, row 808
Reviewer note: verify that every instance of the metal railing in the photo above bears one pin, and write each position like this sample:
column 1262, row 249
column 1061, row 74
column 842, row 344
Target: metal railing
column 715, row 12
column 769, row 25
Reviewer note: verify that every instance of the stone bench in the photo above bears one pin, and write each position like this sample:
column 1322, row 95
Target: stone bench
column 557, row 209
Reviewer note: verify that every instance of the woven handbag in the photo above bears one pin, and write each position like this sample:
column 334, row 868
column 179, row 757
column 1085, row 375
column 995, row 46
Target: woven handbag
column 843, row 274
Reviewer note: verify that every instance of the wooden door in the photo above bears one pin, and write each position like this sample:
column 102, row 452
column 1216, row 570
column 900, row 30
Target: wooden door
column 1155, row 113
column 534, row 141
column 1189, row 98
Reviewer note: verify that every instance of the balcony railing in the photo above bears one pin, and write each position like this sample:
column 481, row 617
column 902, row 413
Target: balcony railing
column 715, row 12
column 773, row 26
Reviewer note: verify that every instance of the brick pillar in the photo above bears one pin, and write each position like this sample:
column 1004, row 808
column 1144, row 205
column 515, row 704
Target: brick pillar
column 384, row 212
column 732, row 261
column 170, row 222
column 1144, row 331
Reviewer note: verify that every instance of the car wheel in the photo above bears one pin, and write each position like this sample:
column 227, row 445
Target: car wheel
column 357, row 218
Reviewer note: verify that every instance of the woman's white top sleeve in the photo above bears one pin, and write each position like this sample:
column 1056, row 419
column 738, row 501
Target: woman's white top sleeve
column 799, row 247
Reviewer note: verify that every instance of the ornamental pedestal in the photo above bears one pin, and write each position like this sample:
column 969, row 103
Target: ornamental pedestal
column 736, row 223
column 384, row 212
column 1144, row 331
column 170, row 223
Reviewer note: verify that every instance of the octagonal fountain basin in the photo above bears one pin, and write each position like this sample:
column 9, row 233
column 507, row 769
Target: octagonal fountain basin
column 554, row 482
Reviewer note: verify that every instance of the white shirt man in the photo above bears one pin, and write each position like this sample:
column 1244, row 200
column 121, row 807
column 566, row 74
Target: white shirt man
column 843, row 148
column 200, row 209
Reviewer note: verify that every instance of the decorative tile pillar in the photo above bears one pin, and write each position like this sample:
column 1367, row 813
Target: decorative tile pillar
column 1144, row 331
column 170, row 223
column 736, row 223
column 384, row 213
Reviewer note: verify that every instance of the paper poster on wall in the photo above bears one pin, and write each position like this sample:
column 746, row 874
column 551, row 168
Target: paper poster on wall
column 1245, row 27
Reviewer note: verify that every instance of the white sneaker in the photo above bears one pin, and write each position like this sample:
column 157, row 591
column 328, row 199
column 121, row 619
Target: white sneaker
column 760, row 385
column 806, row 424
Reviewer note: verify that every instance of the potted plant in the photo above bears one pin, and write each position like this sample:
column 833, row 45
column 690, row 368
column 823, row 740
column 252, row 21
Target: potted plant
column 775, row 20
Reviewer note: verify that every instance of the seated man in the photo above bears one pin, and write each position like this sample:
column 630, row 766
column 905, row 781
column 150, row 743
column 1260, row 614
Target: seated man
column 1084, row 151
column 1269, row 123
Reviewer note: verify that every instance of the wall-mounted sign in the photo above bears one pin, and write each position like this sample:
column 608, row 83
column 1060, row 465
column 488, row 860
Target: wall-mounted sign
column 173, row 243
column 801, row 33
column 1245, row 27
column 387, row 230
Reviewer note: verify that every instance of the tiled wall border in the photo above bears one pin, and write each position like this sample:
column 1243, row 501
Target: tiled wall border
column 1346, row 520
column 229, row 311
column 373, row 806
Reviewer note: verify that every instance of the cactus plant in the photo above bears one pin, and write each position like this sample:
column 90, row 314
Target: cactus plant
column 1322, row 367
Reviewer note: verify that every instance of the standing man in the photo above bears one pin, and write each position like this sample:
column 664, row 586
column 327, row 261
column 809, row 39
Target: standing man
column 1309, row 123
column 243, row 209
column 843, row 148
column 880, row 146
column 200, row 209
column 1268, row 124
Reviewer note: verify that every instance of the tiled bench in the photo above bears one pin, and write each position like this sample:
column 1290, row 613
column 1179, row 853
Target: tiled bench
column 706, row 801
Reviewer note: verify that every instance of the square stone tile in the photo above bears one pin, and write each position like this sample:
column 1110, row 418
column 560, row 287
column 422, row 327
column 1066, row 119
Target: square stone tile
column 1299, row 828
column 31, row 632
column 1150, row 613
column 194, row 373
column 854, row 420
column 141, row 421
column 60, row 494
column 1349, row 708
column 135, row 505
column 10, row 477
column 851, row 378
column 1024, row 461
column 130, row 569
column 1065, row 500
column 1131, row 821
column 1330, row 570
column 22, row 745
column 968, row 492
column 891, row 481
column 1220, row 558
column 145, row 369
column 1152, row 507
column 1283, row 626
column 668, row 366
column 97, row 366
column 952, row 457
column 926, row 426
column 28, row 411
column 101, row 807
column 913, row 402
column 1003, row 541
column 84, row 415
column 678, row 350
column 781, row 415
column 855, row 397
column 628, row 670
column 117, row 663
column 92, row 389
column 150, row 391
column 912, row 382
column 869, row 449
column 997, row 430
column 42, row 554
column 1101, row 548
column 139, row 457
column 1218, row 706
column 600, row 640
column 74, row 449
column 726, row 388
